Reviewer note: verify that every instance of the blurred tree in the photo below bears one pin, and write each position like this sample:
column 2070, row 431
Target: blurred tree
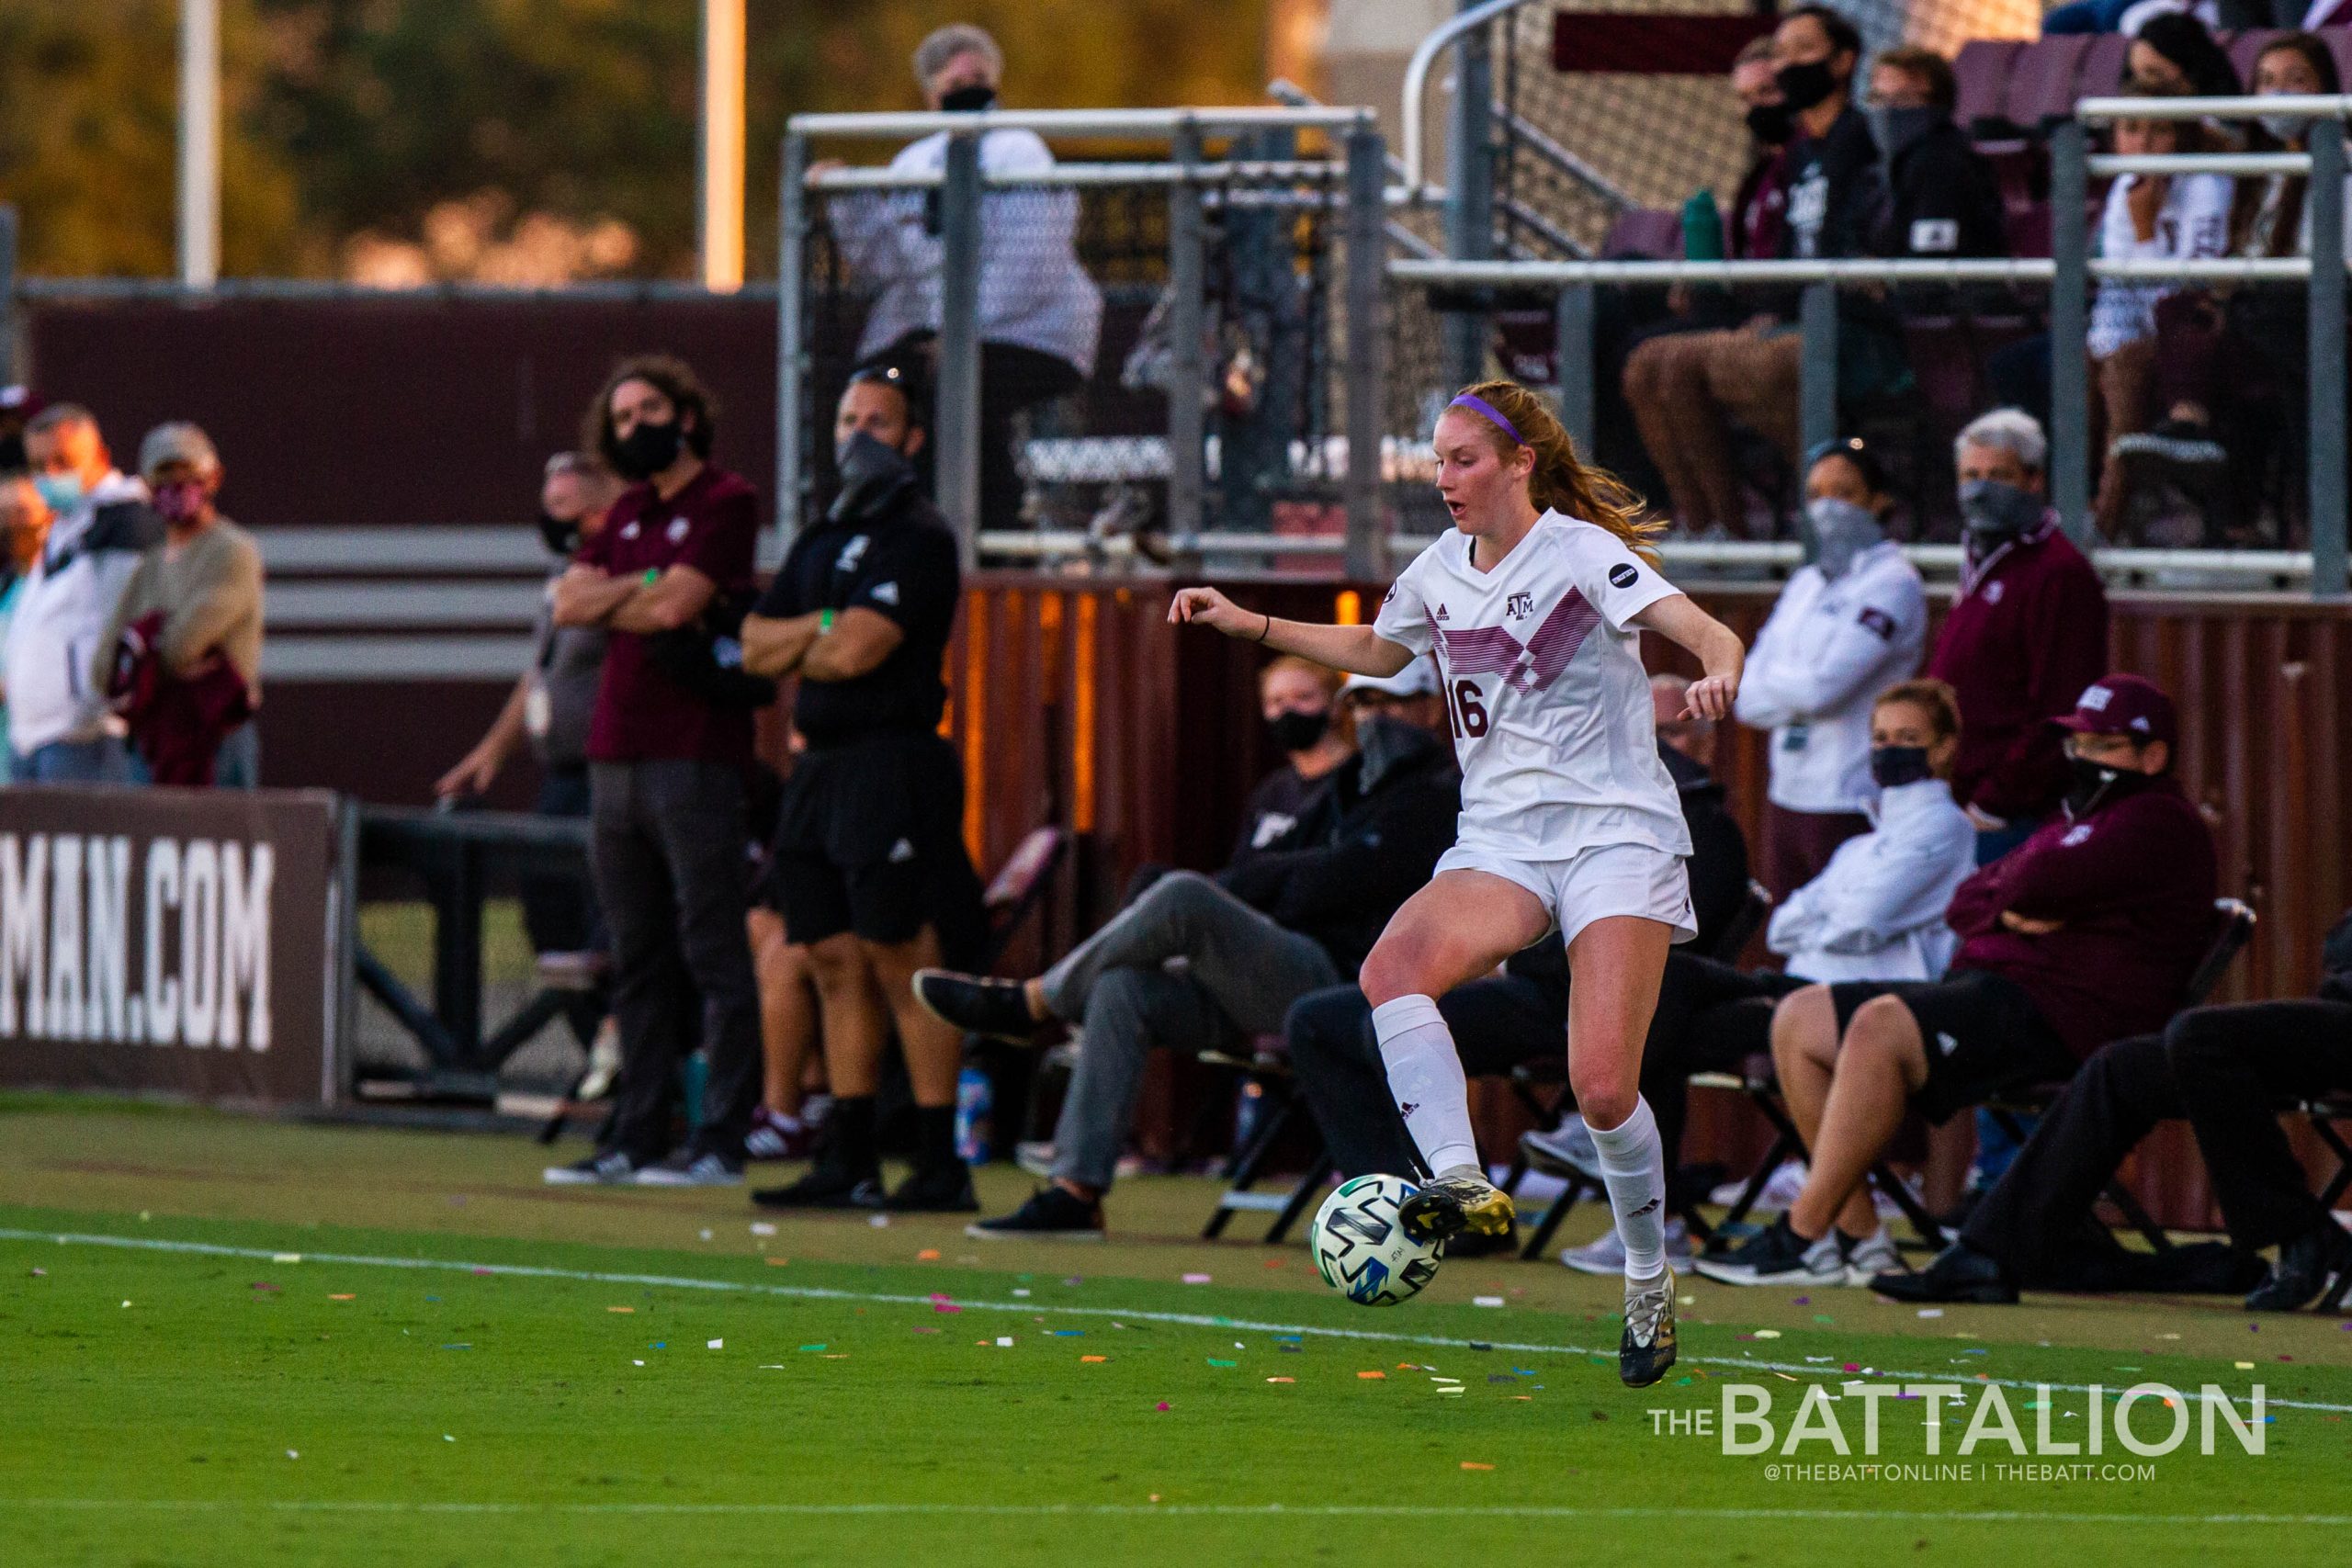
column 365, row 133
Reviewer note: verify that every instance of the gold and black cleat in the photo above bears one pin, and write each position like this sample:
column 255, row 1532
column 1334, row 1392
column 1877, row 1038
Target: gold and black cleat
column 1646, row 1350
column 1450, row 1205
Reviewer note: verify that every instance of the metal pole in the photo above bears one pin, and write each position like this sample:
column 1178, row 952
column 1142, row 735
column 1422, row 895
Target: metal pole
column 1817, row 379
column 957, row 396
column 1187, row 357
column 2069, row 462
column 200, row 172
column 1470, row 193
column 719, row 162
column 1572, row 346
column 7, row 295
column 1367, row 558
column 791, row 361
column 2325, row 304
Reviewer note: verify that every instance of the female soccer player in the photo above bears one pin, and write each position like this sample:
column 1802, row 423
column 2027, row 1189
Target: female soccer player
column 1533, row 606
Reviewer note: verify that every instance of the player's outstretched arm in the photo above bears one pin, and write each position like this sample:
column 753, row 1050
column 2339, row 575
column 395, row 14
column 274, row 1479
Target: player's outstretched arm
column 1677, row 619
column 1359, row 650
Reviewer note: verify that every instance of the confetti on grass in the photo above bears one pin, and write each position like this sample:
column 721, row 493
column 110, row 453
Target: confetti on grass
column 1197, row 1279
column 1367, row 1376
column 1473, row 1464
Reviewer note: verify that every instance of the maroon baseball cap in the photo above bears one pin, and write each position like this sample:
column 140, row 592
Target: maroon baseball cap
column 2124, row 704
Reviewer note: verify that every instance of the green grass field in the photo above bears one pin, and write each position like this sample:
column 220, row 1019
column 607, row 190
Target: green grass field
column 267, row 1342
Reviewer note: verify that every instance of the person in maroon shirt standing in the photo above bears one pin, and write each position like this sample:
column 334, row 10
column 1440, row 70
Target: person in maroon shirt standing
column 667, row 759
column 2028, row 632
column 2088, row 933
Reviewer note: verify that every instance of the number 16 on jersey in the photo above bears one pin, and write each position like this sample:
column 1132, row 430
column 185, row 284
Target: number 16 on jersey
column 1463, row 711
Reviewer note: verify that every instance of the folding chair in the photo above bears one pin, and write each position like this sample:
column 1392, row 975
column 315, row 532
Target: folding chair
column 1266, row 1072
column 2323, row 1114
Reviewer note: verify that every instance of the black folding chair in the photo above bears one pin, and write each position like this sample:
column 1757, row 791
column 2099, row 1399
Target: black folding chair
column 1265, row 1071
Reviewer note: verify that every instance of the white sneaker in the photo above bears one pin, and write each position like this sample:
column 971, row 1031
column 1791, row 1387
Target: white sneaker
column 1873, row 1255
column 1607, row 1255
column 607, row 1169
column 1566, row 1150
column 604, row 1062
column 1035, row 1155
column 1780, row 1189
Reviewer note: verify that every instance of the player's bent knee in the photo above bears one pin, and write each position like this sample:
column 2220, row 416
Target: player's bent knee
column 1606, row 1104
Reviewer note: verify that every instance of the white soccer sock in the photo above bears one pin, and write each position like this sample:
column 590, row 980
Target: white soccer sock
column 1425, row 1075
column 1633, row 1166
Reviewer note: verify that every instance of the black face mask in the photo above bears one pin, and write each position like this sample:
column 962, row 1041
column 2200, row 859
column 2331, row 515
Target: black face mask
column 647, row 449
column 563, row 535
column 2095, row 784
column 1892, row 767
column 1898, row 128
column 1295, row 731
column 968, row 100
column 1806, row 83
column 1770, row 124
column 873, row 475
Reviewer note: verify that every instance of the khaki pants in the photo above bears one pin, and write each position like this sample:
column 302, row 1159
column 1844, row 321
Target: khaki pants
column 2122, row 388
column 1686, row 389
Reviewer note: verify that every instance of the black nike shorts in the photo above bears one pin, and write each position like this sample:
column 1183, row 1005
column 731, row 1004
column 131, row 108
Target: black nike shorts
column 870, row 839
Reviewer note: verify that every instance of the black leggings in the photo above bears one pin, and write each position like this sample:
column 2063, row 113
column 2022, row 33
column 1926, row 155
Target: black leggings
column 2232, row 1066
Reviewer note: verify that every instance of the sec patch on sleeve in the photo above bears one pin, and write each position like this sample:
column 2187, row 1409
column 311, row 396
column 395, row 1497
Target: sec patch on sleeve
column 1622, row 575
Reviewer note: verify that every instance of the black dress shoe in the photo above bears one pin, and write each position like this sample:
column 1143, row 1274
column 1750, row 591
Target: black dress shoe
column 2314, row 1266
column 1959, row 1273
column 978, row 1005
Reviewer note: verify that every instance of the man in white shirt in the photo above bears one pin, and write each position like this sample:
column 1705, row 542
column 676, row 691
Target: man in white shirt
column 57, row 721
column 1041, row 316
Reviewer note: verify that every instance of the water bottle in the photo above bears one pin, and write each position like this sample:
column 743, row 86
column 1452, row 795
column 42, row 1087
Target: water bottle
column 975, row 1108
column 1702, row 228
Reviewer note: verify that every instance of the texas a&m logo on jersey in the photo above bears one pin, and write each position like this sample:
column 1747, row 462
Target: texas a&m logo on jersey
column 1520, row 606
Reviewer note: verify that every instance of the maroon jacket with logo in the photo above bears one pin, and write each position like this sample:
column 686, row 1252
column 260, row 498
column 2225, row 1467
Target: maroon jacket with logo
column 2131, row 885
column 2026, row 635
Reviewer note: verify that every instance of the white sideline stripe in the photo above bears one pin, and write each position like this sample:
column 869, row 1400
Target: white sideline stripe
column 1144, row 1510
column 1177, row 1319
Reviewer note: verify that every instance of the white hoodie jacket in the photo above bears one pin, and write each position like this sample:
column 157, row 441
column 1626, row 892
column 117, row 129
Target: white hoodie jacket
column 1876, row 912
column 67, row 600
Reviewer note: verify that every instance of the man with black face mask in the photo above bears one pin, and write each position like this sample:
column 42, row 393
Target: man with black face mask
column 1942, row 198
column 868, row 868
column 2027, row 633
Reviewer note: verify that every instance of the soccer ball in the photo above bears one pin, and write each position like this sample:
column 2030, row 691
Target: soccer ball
column 1360, row 1249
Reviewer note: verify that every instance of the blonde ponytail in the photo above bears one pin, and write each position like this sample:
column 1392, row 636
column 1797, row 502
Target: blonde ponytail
column 1561, row 483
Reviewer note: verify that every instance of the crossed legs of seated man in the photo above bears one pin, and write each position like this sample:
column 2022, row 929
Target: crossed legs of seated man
column 1186, row 965
column 2225, row 1070
column 1853, row 1059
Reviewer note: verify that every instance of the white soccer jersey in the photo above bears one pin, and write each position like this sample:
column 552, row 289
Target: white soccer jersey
column 1545, row 690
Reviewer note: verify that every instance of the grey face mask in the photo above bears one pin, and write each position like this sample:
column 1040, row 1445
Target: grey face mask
column 2289, row 128
column 1384, row 740
column 1996, row 511
column 1841, row 530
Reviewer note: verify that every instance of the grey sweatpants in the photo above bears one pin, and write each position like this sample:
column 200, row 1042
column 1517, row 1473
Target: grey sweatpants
column 1125, row 992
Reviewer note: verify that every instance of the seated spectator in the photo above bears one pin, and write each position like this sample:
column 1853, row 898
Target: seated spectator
column 1520, row 1014
column 100, row 529
column 18, row 405
column 1287, row 921
column 1849, row 624
column 24, row 523
column 197, row 594
column 2088, row 933
column 2226, row 1069
column 2027, row 633
column 2147, row 218
column 2173, row 51
column 1040, row 315
column 550, row 708
column 1876, row 912
column 1942, row 196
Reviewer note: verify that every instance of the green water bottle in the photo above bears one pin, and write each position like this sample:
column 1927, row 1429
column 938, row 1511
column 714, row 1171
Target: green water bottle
column 1702, row 228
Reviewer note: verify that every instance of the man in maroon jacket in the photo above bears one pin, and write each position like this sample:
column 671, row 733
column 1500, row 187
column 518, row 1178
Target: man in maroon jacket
column 2028, row 632
column 2088, row 931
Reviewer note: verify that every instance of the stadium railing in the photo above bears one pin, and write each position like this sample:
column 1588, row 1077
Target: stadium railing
column 1251, row 259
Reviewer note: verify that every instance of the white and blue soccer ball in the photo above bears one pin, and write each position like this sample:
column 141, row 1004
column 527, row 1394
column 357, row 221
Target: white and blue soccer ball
column 1361, row 1247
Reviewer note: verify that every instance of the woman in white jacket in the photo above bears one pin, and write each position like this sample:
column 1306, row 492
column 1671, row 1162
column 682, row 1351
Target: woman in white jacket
column 1846, row 627
column 1876, row 912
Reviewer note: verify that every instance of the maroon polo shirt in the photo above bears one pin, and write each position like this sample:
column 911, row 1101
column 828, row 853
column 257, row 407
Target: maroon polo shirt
column 641, row 715
column 2026, row 635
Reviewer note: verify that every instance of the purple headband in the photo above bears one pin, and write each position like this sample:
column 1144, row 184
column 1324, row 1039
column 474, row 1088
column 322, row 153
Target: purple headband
column 1471, row 400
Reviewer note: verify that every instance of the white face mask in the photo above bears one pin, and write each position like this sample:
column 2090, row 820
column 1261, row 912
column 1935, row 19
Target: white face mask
column 1841, row 530
column 2285, row 127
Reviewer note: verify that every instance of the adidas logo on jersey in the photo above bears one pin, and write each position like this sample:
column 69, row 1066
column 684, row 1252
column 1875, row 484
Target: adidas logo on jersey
column 1945, row 1042
column 1441, row 612
column 901, row 853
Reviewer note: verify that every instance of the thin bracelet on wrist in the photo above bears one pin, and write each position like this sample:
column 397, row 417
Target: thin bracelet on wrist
column 1269, row 630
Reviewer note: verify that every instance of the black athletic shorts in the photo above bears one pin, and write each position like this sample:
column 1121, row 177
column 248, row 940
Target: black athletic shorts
column 1983, row 1037
column 870, row 839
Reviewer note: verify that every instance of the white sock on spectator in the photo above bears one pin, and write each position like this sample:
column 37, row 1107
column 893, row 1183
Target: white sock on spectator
column 1425, row 1075
column 1633, row 1166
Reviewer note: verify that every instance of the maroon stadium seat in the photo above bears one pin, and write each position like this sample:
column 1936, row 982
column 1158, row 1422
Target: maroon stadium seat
column 1644, row 234
column 2103, row 66
column 2246, row 46
column 2339, row 43
column 1982, row 68
column 2041, row 79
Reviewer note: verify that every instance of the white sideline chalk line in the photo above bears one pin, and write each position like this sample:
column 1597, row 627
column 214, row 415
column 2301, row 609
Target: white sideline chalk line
column 1137, row 1510
column 1177, row 1319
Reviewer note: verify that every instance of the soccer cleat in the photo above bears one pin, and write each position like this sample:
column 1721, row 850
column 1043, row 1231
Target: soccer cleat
column 1958, row 1273
column 1646, row 1349
column 1052, row 1213
column 610, row 1169
column 691, row 1166
column 1607, row 1255
column 944, row 1190
column 825, row 1186
column 778, row 1137
column 1567, row 1150
column 2313, row 1270
column 997, row 1009
column 1454, row 1203
column 1873, row 1255
column 1777, row 1256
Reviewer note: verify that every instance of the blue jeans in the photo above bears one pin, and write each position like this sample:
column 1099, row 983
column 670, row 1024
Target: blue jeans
column 103, row 760
column 237, row 765
column 2085, row 17
column 1993, row 842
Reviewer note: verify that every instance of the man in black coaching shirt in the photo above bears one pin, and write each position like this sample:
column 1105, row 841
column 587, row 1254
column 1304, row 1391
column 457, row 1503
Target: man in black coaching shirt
column 869, row 869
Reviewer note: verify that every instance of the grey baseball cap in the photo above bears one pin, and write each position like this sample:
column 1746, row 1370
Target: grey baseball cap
column 178, row 442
